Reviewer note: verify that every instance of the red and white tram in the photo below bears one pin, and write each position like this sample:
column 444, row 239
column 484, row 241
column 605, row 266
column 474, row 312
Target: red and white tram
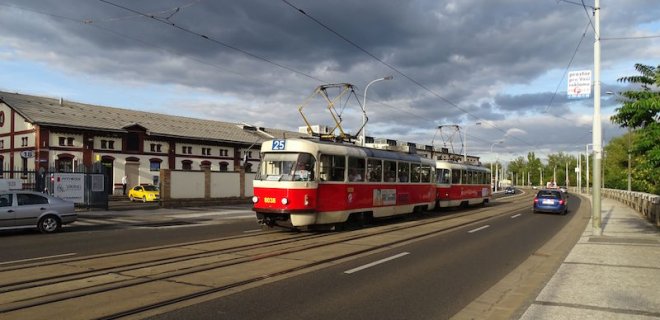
column 461, row 184
column 308, row 183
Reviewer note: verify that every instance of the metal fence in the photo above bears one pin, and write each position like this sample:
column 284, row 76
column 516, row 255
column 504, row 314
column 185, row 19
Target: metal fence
column 42, row 180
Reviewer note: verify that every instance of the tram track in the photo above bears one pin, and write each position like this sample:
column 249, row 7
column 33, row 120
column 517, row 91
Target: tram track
column 188, row 276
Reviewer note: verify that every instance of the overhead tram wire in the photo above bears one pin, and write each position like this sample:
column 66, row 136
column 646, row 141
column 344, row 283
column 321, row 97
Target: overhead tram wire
column 255, row 56
column 392, row 67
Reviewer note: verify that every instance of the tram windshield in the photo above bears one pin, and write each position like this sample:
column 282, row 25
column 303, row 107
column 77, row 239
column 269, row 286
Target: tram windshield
column 286, row 167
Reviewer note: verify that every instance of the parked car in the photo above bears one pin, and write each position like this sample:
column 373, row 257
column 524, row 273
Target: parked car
column 551, row 200
column 509, row 190
column 144, row 193
column 21, row 209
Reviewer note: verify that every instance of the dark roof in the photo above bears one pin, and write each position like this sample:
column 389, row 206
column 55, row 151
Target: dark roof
column 49, row 112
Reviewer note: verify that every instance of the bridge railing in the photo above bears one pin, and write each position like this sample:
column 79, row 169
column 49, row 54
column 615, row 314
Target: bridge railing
column 648, row 205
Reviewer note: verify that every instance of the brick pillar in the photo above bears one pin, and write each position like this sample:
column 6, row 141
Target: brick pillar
column 207, row 181
column 165, row 184
column 241, row 173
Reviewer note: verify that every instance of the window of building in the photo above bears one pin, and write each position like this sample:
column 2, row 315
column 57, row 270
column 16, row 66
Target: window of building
column 69, row 141
column 62, row 141
column 24, row 141
column 2, row 144
column 153, row 147
column 224, row 152
column 65, row 165
column 133, row 141
column 154, row 164
column 186, row 165
column 104, row 144
column 159, row 147
column 224, row 166
column 206, row 151
column 111, row 144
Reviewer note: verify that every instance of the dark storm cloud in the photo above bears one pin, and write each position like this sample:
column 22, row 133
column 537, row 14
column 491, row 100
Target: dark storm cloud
column 450, row 59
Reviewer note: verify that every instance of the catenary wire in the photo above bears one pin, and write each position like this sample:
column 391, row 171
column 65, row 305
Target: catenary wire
column 189, row 31
column 392, row 67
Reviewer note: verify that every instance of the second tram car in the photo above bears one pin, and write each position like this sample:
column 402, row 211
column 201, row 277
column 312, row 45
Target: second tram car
column 461, row 184
column 306, row 183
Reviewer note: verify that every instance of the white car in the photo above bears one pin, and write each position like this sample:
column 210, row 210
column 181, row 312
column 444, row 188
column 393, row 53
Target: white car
column 21, row 209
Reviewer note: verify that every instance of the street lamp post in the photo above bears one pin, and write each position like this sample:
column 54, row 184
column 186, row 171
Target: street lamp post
column 465, row 143
column 587, row 147
column 364, row 109
column 491, row 164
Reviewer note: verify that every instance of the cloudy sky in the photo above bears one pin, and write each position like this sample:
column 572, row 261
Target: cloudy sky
column 501, row 63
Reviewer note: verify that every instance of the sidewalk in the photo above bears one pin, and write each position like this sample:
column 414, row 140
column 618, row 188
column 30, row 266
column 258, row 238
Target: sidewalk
column 613, row 276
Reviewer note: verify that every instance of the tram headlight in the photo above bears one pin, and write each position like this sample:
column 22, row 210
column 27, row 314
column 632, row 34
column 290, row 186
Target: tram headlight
column 255, row 199
column 285, row 201
column 306, row 199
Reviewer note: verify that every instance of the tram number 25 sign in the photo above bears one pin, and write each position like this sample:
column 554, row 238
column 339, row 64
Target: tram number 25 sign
column 278, row 144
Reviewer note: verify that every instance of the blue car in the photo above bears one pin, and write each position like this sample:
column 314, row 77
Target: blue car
column 553, row 201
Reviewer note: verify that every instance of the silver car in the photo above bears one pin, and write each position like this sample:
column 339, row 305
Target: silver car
column 28, row 209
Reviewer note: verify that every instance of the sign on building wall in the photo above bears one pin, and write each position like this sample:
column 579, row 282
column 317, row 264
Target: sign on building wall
column 70, row 186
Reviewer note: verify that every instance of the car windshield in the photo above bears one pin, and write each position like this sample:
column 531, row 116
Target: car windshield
column 286, row 167
column 150, row 188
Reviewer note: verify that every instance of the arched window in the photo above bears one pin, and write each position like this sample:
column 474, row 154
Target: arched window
column 64, row 162
column 224, row 165
column 186, row 165
column 154, row 164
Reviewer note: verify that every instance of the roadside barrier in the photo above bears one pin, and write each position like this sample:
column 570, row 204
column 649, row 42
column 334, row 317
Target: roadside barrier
column 645, row 203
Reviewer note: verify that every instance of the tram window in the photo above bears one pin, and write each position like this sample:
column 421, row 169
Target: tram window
column 332, row 167
column 426, row 173
column 464, row 177
column 456, row 176
column 404, row 172
column 415, row 172
column 480, row 178
column 356, row 169
column 443, row 176
column 390, row 171
column 304, row 170
column 277, row 166
column 374, row 170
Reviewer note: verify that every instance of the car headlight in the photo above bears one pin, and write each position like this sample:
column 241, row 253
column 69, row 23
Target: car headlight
column 255, row 199
column 285, row 201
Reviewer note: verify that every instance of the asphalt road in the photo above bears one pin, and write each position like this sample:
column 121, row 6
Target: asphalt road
column 429, row 279
column 88, row 239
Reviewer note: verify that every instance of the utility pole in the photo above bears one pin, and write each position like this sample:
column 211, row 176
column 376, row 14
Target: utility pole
column 597, row 129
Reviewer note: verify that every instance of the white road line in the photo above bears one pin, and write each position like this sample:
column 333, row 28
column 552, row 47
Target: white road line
column 516, row 216
column 252, row 231
column 479, row 229
column 39, row 258
column 376, row 263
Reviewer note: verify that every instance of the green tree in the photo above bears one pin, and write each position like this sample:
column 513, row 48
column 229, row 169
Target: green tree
column 641, row 113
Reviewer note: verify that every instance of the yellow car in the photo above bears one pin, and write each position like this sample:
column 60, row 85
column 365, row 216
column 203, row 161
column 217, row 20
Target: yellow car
column 144, row 193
